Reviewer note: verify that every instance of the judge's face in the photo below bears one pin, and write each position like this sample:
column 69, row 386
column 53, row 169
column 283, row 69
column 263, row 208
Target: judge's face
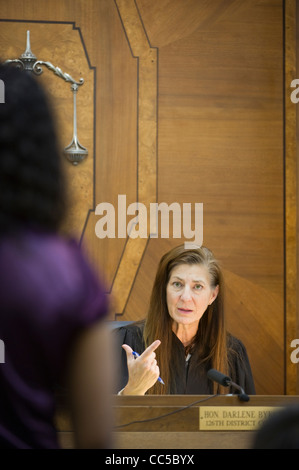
column 189, row 293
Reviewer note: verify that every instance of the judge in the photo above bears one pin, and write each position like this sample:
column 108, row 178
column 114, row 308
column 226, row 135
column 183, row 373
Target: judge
column 184, row 333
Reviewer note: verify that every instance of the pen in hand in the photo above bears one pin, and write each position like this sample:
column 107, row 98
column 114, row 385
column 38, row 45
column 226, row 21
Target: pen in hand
column 135, row 354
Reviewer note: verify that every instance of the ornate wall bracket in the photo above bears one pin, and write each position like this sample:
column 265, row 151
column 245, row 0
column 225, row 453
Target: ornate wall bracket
column 74, row 152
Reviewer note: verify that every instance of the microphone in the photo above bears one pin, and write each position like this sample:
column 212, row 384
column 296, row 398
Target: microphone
column 226, row 381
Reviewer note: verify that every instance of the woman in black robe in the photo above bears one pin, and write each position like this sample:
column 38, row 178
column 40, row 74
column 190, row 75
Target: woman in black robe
column 184, row 334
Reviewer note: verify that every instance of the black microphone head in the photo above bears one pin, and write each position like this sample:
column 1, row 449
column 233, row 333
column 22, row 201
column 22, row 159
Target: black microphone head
column 243, row 397
column 218, row 377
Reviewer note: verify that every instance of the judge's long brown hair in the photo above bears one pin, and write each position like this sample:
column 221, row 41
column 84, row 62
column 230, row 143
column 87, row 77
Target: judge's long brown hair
column 210, row 343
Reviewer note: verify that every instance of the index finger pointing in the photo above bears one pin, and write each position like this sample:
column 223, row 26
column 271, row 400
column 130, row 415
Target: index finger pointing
column 151, row 348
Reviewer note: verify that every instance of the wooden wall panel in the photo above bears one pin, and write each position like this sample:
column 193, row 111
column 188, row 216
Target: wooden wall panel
column 185, row 104
column 220, row 128
column 62, row 45
column 290, row 194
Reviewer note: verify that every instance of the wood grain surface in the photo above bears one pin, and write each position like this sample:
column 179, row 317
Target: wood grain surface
column 177, row 425
column 183, row 102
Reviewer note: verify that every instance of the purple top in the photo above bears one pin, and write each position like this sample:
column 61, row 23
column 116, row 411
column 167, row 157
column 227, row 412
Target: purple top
column 48, row 293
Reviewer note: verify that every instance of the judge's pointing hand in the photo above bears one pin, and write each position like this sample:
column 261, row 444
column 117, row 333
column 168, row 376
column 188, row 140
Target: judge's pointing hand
column 143, row 371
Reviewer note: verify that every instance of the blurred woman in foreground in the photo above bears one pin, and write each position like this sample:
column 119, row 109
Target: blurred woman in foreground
column 52, row 305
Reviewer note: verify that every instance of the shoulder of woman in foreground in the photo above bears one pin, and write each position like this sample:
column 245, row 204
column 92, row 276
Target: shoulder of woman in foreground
column 39, row 264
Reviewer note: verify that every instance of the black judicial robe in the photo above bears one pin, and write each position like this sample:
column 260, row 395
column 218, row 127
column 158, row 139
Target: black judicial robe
column 189, row 379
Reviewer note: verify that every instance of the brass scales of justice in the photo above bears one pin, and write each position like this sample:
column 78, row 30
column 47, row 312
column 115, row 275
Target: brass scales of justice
column 74, row 152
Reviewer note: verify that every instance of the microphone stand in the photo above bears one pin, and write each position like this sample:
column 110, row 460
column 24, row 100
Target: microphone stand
column 241, row 395
column 226, row 381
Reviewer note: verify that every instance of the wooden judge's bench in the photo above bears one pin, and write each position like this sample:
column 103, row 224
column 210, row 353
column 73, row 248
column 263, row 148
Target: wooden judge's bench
column 184, row 421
